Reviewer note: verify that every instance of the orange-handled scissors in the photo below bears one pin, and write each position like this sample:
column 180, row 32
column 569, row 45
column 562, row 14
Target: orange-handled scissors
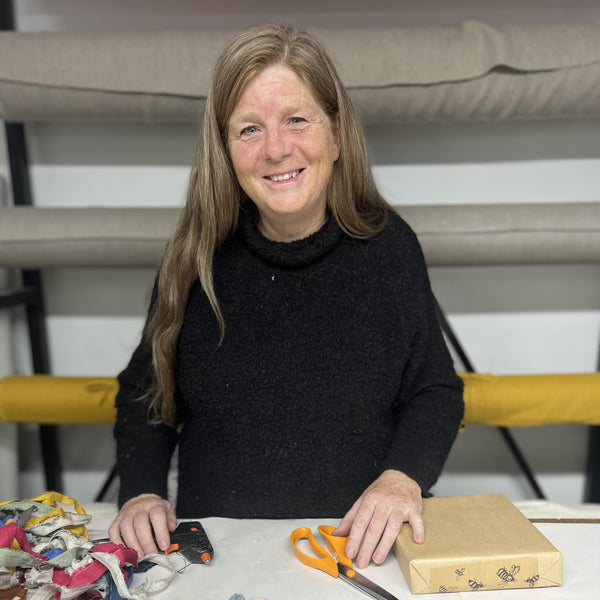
column 334, row 561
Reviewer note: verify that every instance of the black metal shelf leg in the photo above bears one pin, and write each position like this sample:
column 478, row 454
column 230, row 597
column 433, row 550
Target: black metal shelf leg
column 505, row 432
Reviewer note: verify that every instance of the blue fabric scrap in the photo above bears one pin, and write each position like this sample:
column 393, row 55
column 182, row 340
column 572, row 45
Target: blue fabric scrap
column 53, row 553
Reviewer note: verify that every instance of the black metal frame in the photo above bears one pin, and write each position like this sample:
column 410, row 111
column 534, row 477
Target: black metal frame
column 504, row 431
column 592, row 478
column 592, row 470
column 30, row 294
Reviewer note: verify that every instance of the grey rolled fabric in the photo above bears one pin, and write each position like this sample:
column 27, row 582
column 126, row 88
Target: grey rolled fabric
column 470, row 71
column 482, row 234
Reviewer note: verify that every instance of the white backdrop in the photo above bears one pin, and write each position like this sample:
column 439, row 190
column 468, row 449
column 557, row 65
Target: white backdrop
column 528, row 319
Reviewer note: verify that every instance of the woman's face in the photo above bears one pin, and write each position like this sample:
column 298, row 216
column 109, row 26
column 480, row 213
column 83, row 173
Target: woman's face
column 283, row 147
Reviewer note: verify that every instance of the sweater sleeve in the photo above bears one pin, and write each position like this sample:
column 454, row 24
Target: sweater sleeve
column 430, row 402
column 144, row 450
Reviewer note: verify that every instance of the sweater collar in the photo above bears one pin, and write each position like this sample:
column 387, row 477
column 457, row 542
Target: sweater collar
column 288, row 254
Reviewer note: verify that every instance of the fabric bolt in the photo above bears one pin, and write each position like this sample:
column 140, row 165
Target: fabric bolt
column 527, row 400
column 331, row 368
column 467, row 71
column 452, row 234
column 48, row 399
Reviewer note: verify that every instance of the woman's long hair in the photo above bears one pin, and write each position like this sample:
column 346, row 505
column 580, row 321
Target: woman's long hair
column 214, row 196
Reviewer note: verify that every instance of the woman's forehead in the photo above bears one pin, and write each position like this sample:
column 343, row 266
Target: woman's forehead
column 275, row 85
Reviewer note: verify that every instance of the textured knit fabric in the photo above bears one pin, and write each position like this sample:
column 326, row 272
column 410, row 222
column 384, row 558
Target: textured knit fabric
column 333, row 368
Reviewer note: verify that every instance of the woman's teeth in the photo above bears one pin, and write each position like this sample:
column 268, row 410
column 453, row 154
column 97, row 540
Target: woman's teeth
column 290, row 175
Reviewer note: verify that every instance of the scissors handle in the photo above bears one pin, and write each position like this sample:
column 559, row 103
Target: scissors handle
column 336, row 544
column 326, row 563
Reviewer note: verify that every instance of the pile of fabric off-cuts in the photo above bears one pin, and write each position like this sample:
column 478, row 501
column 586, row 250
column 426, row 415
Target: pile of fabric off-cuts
column 46, row 554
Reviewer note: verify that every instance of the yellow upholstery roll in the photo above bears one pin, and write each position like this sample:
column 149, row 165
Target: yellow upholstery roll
column 505, row 400
column 513, row 400
column 52, row 400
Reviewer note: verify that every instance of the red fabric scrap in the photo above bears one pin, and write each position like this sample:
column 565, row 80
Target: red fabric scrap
column 10, row 532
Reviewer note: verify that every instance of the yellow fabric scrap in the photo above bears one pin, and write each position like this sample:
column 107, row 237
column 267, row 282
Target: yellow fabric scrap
column 51, row 500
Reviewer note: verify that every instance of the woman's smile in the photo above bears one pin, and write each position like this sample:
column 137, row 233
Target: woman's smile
column 285, row 176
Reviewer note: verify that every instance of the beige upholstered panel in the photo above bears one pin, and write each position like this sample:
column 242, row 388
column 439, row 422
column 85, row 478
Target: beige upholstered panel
column 84, row 237
column 504, row 234
column 449, row 235
column 468, row 72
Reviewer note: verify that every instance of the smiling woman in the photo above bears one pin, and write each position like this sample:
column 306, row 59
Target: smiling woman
column 292, row 315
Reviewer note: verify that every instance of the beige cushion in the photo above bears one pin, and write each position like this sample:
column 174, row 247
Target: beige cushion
column 496, row 234
column 449, row 235
column 470, row 71
column 84, row 237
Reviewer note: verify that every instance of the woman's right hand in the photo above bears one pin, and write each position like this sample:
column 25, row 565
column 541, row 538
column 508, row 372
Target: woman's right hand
column 137, row 519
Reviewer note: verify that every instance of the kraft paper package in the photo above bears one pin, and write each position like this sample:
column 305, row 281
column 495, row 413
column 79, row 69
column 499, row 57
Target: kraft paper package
column 480, row 542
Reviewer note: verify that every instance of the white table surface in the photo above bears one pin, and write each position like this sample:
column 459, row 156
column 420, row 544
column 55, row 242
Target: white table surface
column 254, row 558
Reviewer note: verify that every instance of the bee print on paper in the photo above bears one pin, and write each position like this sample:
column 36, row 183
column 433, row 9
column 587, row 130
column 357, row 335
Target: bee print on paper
column 533, row 580
column 475, row 585
column 507, row 576
column 445, row 589
column 459, row 573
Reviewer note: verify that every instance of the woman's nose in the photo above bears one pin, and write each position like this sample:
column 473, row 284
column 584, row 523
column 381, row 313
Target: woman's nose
column 276, row 144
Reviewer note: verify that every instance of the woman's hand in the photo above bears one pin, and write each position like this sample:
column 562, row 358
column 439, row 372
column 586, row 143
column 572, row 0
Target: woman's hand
column 391, row 500
column 137, row 519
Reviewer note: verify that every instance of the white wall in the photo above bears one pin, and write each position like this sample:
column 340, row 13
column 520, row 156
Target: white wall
column 528, row 319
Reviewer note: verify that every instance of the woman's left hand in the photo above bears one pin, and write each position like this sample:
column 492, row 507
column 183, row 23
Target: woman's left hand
column 377, row 516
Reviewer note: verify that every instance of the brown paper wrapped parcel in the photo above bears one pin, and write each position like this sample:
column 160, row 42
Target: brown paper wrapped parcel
column 480, row 542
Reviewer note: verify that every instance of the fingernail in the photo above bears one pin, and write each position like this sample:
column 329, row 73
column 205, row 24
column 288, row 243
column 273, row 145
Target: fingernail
column 362, row 563
column 350, row 552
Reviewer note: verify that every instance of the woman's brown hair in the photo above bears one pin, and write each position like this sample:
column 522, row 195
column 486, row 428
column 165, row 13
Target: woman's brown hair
column 214, row 197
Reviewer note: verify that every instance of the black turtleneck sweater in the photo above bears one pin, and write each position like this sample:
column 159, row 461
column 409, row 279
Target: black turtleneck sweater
column 333, row 368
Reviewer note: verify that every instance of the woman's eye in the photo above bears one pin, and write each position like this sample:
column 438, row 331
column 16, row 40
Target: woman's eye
column 297, row 120
column 249, row 130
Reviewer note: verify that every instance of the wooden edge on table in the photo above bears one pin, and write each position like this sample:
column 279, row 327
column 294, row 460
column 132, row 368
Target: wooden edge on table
column 566, row 520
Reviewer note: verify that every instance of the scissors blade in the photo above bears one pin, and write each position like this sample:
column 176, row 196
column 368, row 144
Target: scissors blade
column 365, row 585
